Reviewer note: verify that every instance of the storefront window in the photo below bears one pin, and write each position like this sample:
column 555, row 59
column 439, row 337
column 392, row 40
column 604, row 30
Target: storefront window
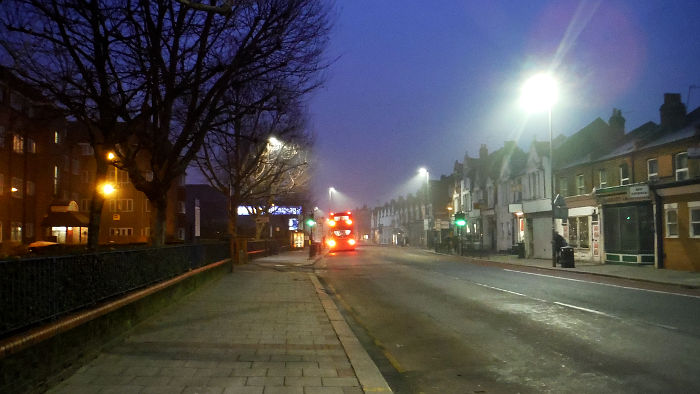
column 629, row 229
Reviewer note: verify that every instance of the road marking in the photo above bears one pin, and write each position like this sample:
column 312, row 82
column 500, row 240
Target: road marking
column 585, row 309
column 603, row 284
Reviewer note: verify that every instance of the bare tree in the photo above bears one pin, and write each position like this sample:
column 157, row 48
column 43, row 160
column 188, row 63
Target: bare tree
column 148, row 78
column 258, row 153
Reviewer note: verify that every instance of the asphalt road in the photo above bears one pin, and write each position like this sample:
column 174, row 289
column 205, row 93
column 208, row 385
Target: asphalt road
column 441, row 324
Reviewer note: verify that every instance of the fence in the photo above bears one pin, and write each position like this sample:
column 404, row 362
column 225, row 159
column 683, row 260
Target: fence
column 35, row 290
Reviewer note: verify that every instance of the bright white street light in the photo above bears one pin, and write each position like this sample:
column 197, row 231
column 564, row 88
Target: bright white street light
column 275, row 144
column 539, row 93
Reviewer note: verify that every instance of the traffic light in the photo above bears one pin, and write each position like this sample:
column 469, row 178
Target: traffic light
column 460, row 219
column 310, row 222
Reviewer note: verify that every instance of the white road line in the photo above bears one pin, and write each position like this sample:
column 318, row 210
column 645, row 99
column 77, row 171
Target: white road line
column 603, row 284
column 584, row 309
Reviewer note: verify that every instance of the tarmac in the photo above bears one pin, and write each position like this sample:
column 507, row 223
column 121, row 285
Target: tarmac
column 268, row 328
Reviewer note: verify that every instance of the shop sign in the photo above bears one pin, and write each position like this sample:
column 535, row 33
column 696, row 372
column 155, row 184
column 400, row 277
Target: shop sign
column 638, row 191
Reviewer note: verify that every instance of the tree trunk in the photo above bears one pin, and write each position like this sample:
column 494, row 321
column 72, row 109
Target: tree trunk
column 158, row 217
column 233, row 233
column 96, row 205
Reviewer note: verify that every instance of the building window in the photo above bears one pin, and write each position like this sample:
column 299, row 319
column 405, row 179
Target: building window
column 181, row 206
column 86, row 149
column 30, row 230
column 671, row 214
column 31, row 146
column 18, row 143
column 56, row 137
column 0, row 231
column 580, row 186
column 31, row 189
column 2, row 184
column 122, row 205
column 75, row 167
column 602, row 178
column 85, row 205
column 681, row 164
column 16, row 187
column 181, row 233
column 652, row 169
column 85, row 176
column 563, row 187
column 624, row 174
column 16, row 232
column 56, row 175
column 2, row 135
column 578, row 231
column 146, row 232
column 694, row 218
column 147, row 206
column 121, row 231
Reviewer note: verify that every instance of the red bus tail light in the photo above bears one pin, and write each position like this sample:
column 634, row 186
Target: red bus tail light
column 331, row 243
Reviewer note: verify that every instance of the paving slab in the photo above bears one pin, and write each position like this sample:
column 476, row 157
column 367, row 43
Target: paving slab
column 258, row 330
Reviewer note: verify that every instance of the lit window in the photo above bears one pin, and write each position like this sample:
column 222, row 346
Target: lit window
column 31, row 146
column 578, row 231
column 181, row 205
column 16, row 232
column 18, row 143
column 56, row 175
column 681, row 164
column 671, row 214
column 2, row 184
column 580, row 186
column 603, row 178
column 624, row 174
column 652, row 169
column 56, row 137
column 694, row 222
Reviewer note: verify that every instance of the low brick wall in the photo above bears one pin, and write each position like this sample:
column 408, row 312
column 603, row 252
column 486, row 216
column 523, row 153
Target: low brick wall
column 39, row 358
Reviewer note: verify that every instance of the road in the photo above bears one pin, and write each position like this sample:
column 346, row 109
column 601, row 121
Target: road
column 444, row 324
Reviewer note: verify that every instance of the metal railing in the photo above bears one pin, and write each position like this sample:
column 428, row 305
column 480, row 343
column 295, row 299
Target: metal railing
column 35, row 290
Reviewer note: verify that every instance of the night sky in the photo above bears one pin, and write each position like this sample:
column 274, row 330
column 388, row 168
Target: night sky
column 419, row 83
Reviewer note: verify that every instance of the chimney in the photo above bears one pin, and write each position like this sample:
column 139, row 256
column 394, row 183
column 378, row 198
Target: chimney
column 672, row 111
column 617, row 124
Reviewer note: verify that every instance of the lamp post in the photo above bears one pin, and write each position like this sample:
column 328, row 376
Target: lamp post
column 331, row 190
column 540, row 93
column 422, row 171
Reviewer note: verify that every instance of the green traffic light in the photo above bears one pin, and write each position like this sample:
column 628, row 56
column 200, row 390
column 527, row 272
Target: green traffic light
column 461, row 222
column 310, row 222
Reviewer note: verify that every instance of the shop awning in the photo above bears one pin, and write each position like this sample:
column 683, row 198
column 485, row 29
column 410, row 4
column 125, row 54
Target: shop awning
column 65, row 219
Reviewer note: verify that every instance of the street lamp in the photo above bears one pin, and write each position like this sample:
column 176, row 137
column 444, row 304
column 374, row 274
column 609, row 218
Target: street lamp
column 331, row 190
column 540, row 93
column 423, row 171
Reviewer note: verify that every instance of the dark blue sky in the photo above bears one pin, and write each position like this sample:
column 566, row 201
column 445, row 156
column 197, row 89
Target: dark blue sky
column 419, row 83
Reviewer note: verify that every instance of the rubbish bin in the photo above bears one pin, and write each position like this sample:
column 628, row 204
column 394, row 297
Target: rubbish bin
column 566, row 257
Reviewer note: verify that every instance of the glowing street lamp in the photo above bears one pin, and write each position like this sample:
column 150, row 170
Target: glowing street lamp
column 331, row 190
column 540, row 93
column 107, row 189
column 424, row 171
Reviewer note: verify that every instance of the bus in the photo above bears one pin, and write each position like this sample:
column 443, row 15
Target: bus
column 341, row 232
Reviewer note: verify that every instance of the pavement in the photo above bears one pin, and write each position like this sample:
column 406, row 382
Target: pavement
column 270, row 327
column 267, row 328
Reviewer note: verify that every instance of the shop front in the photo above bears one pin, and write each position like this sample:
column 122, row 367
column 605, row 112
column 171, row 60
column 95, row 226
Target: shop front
column 628, row 224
